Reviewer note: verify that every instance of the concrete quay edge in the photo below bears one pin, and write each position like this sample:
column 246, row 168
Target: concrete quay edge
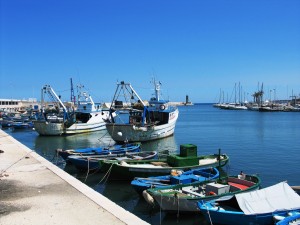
column 95, row 199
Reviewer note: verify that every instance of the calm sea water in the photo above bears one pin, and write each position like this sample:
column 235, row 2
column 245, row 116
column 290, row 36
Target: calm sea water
column 263, row 143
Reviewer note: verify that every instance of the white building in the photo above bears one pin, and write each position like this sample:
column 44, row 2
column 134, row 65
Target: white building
column 16, row 105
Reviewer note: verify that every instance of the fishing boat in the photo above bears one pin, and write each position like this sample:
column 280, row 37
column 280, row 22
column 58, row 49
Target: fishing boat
column 185, row 197
column 176, row 177
column 186, row 160
column 145, row 120
column 92, row 162
column 87, row 117
column 100, row 151
column 259, row 207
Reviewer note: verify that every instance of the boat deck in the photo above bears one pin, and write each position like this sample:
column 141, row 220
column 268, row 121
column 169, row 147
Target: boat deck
column 239, row 186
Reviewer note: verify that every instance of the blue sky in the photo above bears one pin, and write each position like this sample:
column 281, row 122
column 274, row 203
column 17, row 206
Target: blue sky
column 193, row 47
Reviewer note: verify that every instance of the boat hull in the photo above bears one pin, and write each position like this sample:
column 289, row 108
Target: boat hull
column 92, row 163
column 239, row 218
column 84, row 163
column 85, row 128
column 140, row 184
column 174, row 200
column 51, row 129
column 221, row 216
column 132, row 133
column 123, row 170
column 47, row 128
column 100, row 151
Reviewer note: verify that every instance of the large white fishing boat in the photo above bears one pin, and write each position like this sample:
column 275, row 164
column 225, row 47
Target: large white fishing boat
column 144, row 120
column 87, row 116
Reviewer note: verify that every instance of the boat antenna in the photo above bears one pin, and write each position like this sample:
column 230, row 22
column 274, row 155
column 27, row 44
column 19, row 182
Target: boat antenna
column 157, row 88
column 73, row 98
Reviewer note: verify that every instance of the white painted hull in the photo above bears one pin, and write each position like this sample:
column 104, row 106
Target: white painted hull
column 46, row 128
column 85, row 127
column 132, row 133
column 96, row 123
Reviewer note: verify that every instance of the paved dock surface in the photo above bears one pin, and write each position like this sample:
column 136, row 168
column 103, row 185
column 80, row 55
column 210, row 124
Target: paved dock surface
column 35, row 191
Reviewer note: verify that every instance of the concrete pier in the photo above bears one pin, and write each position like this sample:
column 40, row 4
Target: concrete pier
column 35, row 191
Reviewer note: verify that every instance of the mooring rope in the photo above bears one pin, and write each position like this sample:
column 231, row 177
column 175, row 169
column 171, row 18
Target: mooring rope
column 57, row 157
column 176, row 196
column 99, row 139
column 160, row 208
column 208, row 215
column 88, row 170
column 107, row 174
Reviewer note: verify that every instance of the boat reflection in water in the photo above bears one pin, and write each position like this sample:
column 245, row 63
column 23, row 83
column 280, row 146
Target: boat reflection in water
column 168, row 143
column 47, row 145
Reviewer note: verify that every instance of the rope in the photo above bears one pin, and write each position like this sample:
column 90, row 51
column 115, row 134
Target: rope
column 176, row 196
column 94, row 171
column 208, row 215
column 16, row 162
column 88, row 170
column 55, row 156
column 107, row 174
column 160, row 208
column 99, row 139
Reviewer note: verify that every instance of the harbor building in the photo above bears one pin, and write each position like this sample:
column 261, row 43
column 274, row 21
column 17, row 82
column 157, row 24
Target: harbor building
column 17, row 105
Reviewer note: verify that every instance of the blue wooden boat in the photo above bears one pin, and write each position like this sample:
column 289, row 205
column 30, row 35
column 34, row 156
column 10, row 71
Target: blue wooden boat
column 22, row 124
column 176, row 177
column 92, row 162
column 293, row 218
column 98, row 151
column 258, row 207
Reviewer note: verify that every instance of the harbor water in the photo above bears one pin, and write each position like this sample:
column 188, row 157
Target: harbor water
column 262, row 143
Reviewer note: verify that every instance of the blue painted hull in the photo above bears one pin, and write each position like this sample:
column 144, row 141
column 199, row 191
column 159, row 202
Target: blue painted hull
column 92, row 163
column 117, row 149
column 196, row 175
column 234, row 217
column 84, row 163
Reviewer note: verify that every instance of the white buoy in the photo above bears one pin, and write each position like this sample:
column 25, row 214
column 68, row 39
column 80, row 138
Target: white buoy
column 120, row 133
column 149, row 199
